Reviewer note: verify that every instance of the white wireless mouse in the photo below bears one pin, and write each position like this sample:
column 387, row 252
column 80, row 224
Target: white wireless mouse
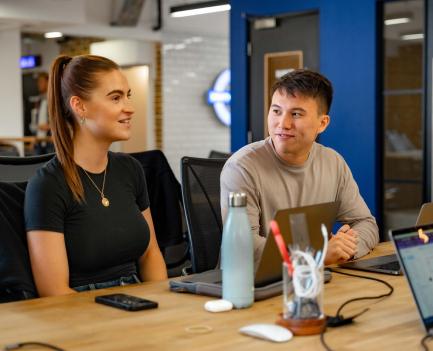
column 271, row 332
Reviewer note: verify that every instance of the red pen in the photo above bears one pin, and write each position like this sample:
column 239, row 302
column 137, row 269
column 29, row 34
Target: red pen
column 281, row 245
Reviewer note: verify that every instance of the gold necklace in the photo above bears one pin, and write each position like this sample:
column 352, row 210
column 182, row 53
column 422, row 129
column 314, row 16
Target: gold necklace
column 105, row 202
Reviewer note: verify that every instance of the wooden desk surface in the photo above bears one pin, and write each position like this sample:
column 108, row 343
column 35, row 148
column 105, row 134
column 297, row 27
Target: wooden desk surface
column 75, row 322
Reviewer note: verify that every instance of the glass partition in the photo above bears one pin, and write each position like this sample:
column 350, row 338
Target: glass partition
column 403, row 101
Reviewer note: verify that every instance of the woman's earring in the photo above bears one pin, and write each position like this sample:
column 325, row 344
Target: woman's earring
column 82, row 120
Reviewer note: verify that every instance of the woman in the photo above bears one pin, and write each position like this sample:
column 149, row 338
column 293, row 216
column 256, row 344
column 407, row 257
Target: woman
column 87, row 211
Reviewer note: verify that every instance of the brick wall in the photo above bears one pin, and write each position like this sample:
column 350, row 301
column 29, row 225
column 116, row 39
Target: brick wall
column 77, row 46
column 157, row 97
column 190, row 66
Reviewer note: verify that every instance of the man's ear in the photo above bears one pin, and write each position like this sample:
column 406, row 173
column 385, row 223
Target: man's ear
column 324, row 122
column 77, row 106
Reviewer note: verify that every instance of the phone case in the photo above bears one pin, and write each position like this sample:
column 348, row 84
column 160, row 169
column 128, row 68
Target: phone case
column 126, row 302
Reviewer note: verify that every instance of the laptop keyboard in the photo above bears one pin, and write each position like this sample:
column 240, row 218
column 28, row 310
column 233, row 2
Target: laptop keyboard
column 393, row 266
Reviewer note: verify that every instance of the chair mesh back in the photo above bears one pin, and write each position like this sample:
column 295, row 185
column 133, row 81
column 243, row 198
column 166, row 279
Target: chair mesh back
column 219, row 154
column 21, row 169
column 201, row 197
column 8, row 150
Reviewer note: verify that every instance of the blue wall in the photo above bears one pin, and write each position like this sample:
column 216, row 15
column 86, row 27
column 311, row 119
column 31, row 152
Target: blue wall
column 347, row 58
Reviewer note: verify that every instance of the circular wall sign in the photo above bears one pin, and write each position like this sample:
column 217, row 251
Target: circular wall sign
column 219, row 97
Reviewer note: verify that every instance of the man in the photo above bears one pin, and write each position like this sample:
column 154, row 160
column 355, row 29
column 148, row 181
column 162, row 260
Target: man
column 39, row 119
column 289, row 169
column 39, row 112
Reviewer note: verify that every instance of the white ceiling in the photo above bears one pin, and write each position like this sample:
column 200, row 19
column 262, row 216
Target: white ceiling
column 93, row 17
column 216, row 24
column 413, row 8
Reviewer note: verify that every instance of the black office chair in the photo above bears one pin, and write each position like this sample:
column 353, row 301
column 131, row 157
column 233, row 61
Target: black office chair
column 201, row 200
column 219, row 154
column 16, row 279
column 8, row 150
column 21, row 169
column 165, row 198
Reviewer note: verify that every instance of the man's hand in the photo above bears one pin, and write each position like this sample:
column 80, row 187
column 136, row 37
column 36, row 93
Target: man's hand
column 342, row 246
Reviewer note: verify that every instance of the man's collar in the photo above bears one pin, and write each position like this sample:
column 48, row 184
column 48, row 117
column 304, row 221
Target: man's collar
column 288, row 164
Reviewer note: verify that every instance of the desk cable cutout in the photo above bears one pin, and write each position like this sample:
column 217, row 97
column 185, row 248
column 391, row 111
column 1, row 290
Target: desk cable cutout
column 339, row 320
column 31, row 343
column 198, row 329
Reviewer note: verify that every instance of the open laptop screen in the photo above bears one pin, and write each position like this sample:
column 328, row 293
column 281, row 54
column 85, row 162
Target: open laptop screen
column 414, row 248
column 291, row 221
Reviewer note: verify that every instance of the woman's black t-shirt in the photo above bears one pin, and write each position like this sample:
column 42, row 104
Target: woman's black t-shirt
column 102, row 243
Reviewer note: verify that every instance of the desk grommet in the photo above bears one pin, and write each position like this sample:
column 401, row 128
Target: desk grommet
column 198, row 329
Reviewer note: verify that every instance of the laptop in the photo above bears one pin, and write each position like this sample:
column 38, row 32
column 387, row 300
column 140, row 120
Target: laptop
column 425, row 215
column 414, row 247
column 389, row 264
column 300, row 225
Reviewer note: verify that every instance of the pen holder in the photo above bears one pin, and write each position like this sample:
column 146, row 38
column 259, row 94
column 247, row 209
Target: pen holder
column 303, row 300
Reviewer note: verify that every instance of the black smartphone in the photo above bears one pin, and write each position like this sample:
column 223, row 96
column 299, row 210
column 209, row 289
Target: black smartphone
column 126, row 302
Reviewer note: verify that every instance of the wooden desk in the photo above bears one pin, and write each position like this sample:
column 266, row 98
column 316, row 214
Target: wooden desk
column 75, row 322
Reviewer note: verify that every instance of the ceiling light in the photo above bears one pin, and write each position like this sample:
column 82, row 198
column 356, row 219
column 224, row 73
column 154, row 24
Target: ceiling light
column 200, row 8
column 398, row 20
column 50, row 35
column 413, row 36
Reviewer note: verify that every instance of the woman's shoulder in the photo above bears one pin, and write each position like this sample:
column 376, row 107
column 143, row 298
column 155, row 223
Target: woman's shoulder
column 49, row 173
column 49, row 182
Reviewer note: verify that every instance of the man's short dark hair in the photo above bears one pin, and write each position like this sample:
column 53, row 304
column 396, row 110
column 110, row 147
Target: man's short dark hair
column 306, row 83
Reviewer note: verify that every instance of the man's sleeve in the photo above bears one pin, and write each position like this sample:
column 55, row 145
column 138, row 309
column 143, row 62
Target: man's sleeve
column 235, row 177
column 354, row 211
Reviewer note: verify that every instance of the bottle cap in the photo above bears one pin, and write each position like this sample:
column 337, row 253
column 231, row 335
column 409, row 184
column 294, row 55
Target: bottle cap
column 237, row 199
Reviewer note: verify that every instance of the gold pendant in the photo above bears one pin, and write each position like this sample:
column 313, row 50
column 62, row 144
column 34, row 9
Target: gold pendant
column 105, row 202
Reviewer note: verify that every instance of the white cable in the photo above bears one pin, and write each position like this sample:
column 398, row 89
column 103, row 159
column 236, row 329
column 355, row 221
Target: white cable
column 325, row 244
column 307, row 277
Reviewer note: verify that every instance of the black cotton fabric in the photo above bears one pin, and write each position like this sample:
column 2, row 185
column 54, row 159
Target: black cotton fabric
column 102, row 243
